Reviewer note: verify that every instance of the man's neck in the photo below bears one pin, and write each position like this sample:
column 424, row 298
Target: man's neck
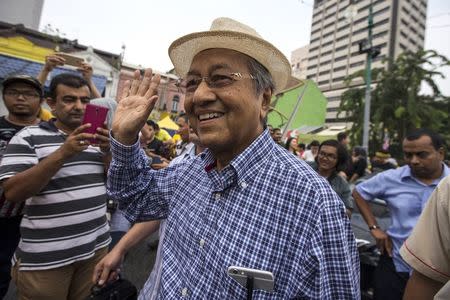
column 198, row 149
column 22, row 120
column 63, row 127
column 432, row 178
column 325, row 173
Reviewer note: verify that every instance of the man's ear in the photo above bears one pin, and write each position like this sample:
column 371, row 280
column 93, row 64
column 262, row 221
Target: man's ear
column 442, row 153
column 51, row 102
column 265, row 105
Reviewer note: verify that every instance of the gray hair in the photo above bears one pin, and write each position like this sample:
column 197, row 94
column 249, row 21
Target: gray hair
column 263, row 79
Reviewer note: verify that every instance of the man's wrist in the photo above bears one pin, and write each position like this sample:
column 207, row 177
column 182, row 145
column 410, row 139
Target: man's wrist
column 373, row 227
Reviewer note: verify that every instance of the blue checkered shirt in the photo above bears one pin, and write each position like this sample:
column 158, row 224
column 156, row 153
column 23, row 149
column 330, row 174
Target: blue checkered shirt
column 266, row 210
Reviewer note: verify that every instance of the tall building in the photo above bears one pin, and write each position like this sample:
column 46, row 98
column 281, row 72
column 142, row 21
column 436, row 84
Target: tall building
column 299, row 62
column 338, row 26
column 24, row 12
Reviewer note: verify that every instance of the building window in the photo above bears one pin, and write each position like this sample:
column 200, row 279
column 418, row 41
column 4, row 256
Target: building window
column 340, row 58
column 339, row 69
column 175, row 102
column 325, row 63
column 340, row 48
column 330, row 109
column 312, row 67
column 357, row 64
column 334, row 99
column 339, row 79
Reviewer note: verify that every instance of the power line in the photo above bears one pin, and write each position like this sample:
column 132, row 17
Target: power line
column 440, row 15
column 304, row 2
column 442, row 26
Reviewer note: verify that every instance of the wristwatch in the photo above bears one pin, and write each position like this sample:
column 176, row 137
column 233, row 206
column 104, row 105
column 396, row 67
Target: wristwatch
column 374, row 227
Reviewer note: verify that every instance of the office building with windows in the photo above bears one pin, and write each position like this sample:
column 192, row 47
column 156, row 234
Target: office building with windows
column 338, row 26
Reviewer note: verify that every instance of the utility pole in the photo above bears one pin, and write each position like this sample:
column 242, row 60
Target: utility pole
column 372, row 52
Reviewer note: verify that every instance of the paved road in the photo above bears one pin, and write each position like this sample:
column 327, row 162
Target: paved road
column 137, row 267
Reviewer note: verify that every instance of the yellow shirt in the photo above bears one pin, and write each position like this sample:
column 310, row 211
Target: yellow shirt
column 45, row 114
column 163, row 135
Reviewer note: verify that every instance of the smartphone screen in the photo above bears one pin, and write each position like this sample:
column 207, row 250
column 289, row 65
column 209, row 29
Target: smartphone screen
column 156, row 160
column 96, row 116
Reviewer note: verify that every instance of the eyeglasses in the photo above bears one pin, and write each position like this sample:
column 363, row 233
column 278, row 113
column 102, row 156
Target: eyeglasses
column 215, row 81
column 28, row 95
column 329, row 156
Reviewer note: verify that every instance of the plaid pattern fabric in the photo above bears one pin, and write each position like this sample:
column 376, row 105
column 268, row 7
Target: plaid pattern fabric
column 266, row 210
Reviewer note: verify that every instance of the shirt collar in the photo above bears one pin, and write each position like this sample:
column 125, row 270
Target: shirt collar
column 246, row 165
column 49, row 125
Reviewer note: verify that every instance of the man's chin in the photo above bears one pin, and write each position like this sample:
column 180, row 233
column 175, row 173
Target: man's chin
column 22, row 113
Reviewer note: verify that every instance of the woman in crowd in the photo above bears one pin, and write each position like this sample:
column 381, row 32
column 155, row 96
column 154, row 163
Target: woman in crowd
column 291, row 145
column 331, row 159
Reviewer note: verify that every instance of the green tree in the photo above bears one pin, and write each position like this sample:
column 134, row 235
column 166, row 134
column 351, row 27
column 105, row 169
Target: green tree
column 397, row 105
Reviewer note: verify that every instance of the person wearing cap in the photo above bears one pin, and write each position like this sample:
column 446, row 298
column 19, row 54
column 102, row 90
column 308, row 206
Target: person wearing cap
column 22, row 95
column 380, row 162
column 58, row 174
column 244, row 201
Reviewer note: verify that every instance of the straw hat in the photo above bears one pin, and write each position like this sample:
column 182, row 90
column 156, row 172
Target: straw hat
column 227, row 33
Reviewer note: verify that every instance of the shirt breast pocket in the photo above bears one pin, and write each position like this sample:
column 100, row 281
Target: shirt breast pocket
column 231, row 289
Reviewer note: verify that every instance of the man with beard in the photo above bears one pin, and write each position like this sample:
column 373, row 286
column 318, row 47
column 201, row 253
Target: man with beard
column 405, row 190
column 23, row 96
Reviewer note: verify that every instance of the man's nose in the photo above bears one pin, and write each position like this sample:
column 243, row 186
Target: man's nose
column 203, row 93
column 80, row 105
column 21, row 97
column 414, row 159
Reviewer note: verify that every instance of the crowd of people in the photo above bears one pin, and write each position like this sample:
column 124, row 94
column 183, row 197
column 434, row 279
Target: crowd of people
column 229, row 193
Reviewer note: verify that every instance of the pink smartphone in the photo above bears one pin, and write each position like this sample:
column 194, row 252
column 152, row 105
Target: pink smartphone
column 96, row 116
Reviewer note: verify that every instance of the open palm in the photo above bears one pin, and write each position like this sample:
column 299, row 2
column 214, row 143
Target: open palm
column 135, row 105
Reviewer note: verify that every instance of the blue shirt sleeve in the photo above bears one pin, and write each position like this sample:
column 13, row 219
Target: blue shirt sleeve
column 143, row 193
column 372, row 188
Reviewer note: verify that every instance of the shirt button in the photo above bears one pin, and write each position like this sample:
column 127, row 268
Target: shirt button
column 243, row 184
column 217, row 196
column 184, row 292
column 202, row 243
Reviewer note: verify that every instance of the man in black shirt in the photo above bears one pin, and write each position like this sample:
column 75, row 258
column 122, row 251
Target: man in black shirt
column 23, row 96
column 152, row 144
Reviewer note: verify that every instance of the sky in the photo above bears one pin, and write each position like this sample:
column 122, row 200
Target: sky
column 147, row 27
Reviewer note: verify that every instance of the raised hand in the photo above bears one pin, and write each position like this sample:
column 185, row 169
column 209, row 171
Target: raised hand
column 86, row 71
column 135, row 105
column 52, row 61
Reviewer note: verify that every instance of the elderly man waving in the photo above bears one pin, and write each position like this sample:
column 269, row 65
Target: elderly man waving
column 245, row 201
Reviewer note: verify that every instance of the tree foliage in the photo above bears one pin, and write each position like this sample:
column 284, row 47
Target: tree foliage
column 397, row 104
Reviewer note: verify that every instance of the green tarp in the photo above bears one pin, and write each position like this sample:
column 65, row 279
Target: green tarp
column 311, row 109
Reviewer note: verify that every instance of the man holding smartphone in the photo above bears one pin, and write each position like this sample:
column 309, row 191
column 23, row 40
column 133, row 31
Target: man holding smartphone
column 59, row 176
column 244, row 202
